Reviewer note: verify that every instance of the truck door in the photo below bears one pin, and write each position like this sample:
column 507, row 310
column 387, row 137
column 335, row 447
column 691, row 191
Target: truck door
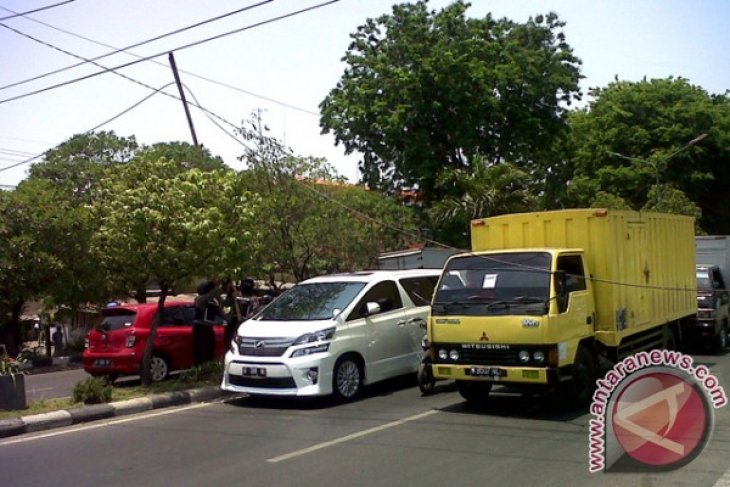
column 576, row 313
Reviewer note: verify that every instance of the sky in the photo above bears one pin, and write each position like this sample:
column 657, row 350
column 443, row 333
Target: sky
column 282, row 70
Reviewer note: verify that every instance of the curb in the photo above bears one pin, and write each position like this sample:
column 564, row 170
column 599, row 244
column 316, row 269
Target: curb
column 95, row 412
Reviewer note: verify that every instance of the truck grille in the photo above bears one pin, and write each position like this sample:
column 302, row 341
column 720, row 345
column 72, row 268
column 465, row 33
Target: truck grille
column 497, row 356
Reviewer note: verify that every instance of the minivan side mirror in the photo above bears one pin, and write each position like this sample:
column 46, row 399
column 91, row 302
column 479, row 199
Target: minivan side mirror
column 372, row 308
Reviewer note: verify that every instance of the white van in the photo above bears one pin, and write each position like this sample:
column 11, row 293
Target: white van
column 333, row 334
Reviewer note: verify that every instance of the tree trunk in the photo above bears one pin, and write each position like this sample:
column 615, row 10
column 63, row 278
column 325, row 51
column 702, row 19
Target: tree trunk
column 12, row 337
column 144, row 375
column 141, row 294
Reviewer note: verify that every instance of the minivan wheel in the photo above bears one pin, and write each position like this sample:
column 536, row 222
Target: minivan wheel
column 159, row 369
column 347, row 378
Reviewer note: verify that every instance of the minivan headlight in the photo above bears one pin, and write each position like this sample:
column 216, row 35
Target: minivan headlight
column 317, row 336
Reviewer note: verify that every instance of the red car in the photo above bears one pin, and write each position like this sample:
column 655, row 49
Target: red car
column 116, row 346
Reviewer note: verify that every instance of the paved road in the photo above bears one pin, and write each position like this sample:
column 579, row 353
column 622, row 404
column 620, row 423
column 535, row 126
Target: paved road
column 52, row 384
column 60, row 384
column 393, row 436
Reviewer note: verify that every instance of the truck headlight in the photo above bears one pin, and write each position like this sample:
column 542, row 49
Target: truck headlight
column 524, row 356
column 454, row 355
column 538, row 356
column 443, row 354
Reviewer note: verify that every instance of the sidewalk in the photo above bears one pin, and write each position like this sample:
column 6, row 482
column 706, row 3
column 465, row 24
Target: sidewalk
column 84, row 414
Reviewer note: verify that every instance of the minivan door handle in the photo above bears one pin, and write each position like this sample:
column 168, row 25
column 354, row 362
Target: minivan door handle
column 401, row 322
column 416, row 321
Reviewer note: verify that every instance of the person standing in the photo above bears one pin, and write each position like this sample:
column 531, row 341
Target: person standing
column 57, row 338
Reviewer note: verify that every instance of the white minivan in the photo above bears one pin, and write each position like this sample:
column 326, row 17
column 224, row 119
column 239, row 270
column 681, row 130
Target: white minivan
column 333, row 334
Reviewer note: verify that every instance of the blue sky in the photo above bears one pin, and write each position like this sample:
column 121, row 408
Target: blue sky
column 295, row 61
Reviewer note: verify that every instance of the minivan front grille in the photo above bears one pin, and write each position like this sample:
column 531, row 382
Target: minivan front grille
column 263, row 347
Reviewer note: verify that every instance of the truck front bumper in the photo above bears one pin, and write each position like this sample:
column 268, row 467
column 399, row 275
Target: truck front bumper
column 498, row 374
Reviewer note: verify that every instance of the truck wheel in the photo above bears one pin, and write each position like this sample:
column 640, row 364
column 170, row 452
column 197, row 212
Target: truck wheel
column 426, row 382
column 670, row 339
column 720, row 341
column 584, row 378
column 473, row 391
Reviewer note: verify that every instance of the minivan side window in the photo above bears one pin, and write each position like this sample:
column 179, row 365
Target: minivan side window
column 420, row 289
column 384, row 293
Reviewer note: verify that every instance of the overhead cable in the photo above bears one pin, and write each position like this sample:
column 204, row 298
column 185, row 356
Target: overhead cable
column 186, row 46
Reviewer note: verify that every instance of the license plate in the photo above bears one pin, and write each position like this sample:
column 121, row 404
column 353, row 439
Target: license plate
column 102, row 363
column 491, row 372
column 254, row 372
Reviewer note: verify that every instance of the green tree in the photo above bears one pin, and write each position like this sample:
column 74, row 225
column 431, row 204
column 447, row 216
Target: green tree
column 661, row 135
column 160, row 223
column 484, row 191
column 27, row 260
column 68, row 176
column 186, row 155
column 78, row 163
column 312, row 222
column 426, row 92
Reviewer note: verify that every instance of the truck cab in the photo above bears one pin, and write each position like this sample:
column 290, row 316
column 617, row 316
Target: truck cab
column 514, row 317
column 713, row 307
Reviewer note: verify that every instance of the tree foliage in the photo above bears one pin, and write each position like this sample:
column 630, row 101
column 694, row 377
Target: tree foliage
column 163, row 225
column 641, row 140
column 484, row 191
column 426, row 92
column 29, row 222
column 311, row 222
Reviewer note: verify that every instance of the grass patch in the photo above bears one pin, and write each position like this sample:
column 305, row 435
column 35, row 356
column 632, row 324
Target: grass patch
column 206, row 375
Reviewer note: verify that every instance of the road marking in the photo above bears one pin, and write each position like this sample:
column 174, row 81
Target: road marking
column 723, row 481
column 106, row 423
column 352, row 436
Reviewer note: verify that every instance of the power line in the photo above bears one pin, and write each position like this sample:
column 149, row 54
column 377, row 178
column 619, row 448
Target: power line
column 123, row 112
column 35, row 10
column 186, row 46
column 189, row 73
column 137, row 44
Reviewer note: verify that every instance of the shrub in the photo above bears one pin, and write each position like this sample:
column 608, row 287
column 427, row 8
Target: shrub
column 209, row 371
column 93, row 390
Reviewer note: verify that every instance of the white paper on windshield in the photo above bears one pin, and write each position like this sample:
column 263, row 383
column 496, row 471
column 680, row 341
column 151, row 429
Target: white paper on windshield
column 490, row 281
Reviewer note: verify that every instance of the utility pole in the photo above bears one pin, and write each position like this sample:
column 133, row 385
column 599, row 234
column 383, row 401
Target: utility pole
column 171, row 57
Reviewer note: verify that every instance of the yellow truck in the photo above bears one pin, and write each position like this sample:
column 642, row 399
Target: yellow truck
column 544, row 297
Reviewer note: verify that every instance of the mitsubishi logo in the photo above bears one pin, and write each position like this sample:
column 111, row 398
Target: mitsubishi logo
column 260, row 344
column 484, row 337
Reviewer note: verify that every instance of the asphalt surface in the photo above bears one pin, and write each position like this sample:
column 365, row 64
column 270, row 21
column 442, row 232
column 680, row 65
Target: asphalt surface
column 52, row 385
column 392, row 436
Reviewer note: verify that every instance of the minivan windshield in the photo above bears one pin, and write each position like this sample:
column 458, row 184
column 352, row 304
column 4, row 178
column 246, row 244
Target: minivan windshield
column 509, row 283
column 310, row 302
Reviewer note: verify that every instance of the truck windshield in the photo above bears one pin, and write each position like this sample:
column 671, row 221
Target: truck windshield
column 510, row 283
column 309, row 302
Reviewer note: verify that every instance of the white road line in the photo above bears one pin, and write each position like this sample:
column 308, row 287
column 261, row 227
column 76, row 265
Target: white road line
column 104, row 424
column 723, row 481
column 352, row 436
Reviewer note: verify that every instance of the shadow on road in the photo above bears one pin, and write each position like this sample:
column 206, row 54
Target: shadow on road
column 383, row 388
column 505, row 402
